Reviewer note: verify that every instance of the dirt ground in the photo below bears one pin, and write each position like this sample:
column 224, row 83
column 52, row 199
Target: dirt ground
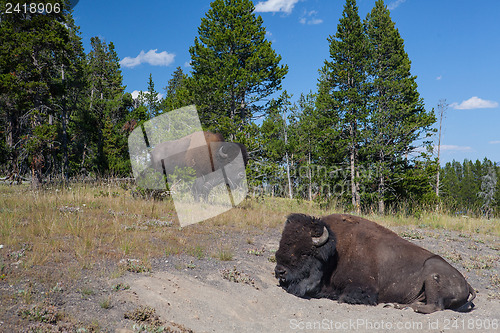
column 187, row 294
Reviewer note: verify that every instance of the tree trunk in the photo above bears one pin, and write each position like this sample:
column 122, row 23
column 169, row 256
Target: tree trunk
column 65, row 143
column 358, row 195
column 381, row 190
column 354, row 185
column 381, row 184
column 439, row 156
column 91, row 99
column 441, row 110
column 310, row 176
column 243, row 113
column 12, row 134
column 36, row 172
column 290, row 191
column 354, row 192
column 64, row 119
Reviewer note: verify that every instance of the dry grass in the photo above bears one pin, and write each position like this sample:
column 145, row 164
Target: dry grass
column 432, row 220
column 54, row 235
column 75, row 227
column 78, row 226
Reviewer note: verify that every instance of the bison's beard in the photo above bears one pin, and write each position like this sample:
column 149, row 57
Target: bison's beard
column 305, row 281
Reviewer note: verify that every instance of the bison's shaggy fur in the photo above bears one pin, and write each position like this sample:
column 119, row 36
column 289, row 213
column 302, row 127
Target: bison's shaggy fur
column 353, row 260
column 305, row 271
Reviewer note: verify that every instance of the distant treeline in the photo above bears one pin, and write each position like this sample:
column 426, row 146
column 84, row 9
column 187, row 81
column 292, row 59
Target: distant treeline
column 362, row 140
column 471, row 187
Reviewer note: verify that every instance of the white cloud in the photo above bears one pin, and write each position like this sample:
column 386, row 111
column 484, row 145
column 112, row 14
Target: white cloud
column 395, row 4
column 151, row 57
column 454, row 148
column 444, row 148
column 187, row 64
column 496, row 142
column 135, row 94
column 439, row 77
column 315, row 21
column 310, row 18
column 474, row 103
column 285, row 6
column 269, row 36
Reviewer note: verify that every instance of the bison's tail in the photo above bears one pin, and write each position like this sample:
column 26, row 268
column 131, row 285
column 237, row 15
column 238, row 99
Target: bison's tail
column 468, row 306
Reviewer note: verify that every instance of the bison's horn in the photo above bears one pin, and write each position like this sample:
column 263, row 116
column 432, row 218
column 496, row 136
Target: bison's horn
column 222, row 153
column 318, row 241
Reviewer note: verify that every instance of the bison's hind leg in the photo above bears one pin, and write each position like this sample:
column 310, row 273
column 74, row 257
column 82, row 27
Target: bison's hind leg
column 444, row 287
column 359, row 295
column 433, row 299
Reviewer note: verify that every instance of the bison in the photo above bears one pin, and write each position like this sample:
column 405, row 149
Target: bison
column 204, row 152
column 357, row 261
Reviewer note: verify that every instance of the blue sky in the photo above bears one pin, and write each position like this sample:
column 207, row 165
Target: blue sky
column 454, row 46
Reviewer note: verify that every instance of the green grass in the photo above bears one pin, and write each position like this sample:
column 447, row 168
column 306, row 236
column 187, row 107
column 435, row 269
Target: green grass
column 105, row 303
column 86, row 291
column 225, row 254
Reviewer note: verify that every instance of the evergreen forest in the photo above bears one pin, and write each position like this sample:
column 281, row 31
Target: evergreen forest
column 361, row 139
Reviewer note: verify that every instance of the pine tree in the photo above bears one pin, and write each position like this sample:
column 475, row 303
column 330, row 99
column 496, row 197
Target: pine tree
column 488, row 188
column 175, row 83
column 450, row 184
column 307, row 141
column 73, row 99
column 35, row 49
column 341, row 91
column 108, row 106
column 496, row 198
column 275, row 146
column 152, row 101
column 442, row 106
column 397, row 117
column 234, row 67
column 470, row 185
column 177, row 95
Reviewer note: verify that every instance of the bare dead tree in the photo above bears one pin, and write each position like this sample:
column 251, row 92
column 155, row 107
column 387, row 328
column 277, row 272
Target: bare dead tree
column 442, row 107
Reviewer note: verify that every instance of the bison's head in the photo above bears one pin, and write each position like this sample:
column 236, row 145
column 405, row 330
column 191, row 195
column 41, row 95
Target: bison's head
column 306, row 246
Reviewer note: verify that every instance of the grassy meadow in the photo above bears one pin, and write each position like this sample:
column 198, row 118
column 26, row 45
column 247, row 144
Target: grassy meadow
column 55, row 241
column 78, row 226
